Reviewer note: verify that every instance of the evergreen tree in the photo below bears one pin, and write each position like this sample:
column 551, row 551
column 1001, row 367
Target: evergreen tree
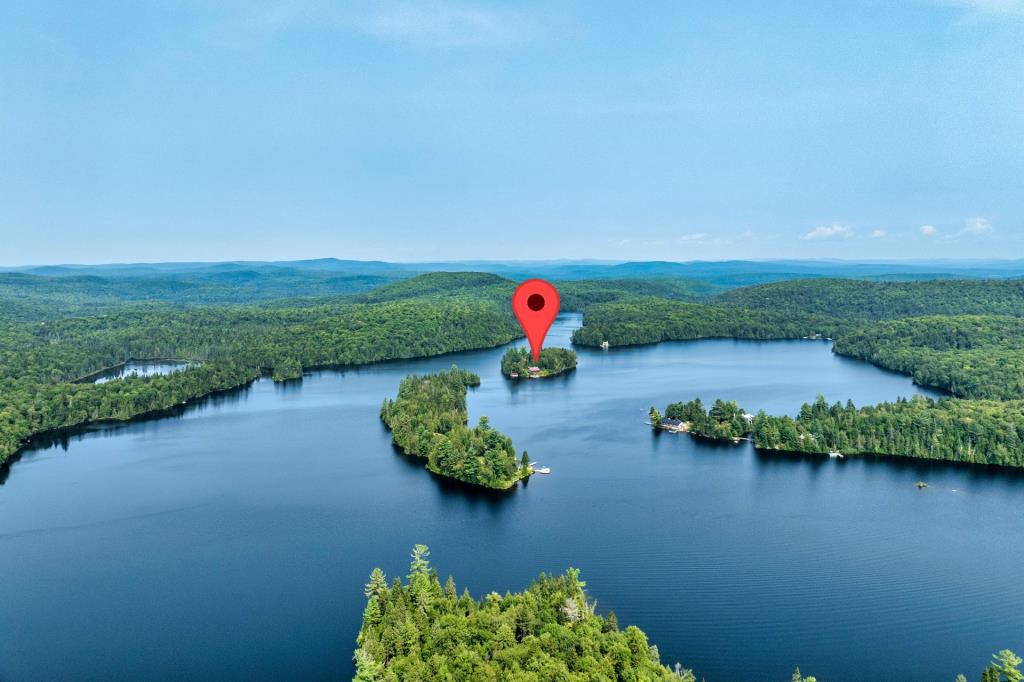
column 1006, row 664
column 655, row 417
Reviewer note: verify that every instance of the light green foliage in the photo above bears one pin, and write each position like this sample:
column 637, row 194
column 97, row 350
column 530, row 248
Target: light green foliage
column 1007, row 664
column 428, row 419
column 547, row 632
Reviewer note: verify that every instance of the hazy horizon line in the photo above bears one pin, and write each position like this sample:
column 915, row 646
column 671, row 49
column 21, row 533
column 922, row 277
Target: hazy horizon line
column 566, row 261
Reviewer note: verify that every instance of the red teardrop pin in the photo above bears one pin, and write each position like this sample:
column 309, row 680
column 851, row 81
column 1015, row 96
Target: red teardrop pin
column 535, row 303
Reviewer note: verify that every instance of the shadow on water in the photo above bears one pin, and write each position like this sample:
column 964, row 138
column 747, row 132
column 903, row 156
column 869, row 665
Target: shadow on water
column 767, row 460
column 63, row 437
column 562, row 381
column 922, row 469
column 450, row 486
column 289, row 385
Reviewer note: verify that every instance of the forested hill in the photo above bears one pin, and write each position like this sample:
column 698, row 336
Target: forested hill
column 26, row 296
column 476, row 285
column 972, row 356
column 41, row 358
column 575, row 295
column 860, row 300
column 651, row 320
column 54, row 330
column 964, row 337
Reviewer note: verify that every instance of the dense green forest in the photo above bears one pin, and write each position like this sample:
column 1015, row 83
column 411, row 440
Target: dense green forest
column 969, row 356
column 979, row 431
column 723, row 421
column 795, row 309
column 429, row 419
column 552, row 361
column 651, row 320
column 423, row 630
column 977, row 356
column 55, row 331
column 42, row 359
column 976, row 431
column 850, row 299
column 575, row 295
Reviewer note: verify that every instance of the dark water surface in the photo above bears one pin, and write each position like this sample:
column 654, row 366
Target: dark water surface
column 232, row 542
column 140, row 368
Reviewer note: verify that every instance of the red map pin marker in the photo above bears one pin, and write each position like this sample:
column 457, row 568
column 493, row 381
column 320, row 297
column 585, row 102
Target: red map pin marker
column 535, row 303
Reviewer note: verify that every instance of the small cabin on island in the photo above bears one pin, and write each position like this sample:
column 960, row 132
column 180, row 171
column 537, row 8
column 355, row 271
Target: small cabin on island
column 534, row 370
column 514, row 375
column 673, row 424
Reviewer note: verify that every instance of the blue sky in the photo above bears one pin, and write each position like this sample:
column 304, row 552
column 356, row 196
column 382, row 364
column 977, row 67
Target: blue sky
column 185, row 129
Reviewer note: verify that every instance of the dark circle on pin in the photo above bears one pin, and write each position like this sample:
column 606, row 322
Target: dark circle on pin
column 535, row 302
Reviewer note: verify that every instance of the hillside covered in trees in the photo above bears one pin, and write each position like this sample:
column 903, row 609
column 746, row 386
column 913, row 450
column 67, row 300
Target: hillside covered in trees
column 429, row 419
column 56, row 330
column 919, row 328
column 652, row 320
column 43, row 359
column 851, row 299
column 423, row 630
column 971, row 356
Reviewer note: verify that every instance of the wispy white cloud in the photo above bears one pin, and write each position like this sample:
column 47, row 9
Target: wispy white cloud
column 927, row 230
column 875, row 234
column 828, row 232
column 973, row 227
column 977, row 225
column 694, row 237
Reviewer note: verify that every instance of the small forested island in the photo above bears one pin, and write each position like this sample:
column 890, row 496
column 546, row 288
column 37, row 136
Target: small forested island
column 429, row 419
column 517, row 363
column 421, row 630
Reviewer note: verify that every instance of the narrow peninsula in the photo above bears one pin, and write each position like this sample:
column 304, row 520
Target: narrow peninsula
column 916, row 427
column 517, row 363
column 429, row 419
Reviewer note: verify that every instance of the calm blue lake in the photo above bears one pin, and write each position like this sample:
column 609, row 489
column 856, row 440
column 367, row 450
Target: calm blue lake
column 233, row 541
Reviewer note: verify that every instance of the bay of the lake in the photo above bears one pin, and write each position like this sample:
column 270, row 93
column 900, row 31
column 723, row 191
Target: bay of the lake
column 232, row 541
